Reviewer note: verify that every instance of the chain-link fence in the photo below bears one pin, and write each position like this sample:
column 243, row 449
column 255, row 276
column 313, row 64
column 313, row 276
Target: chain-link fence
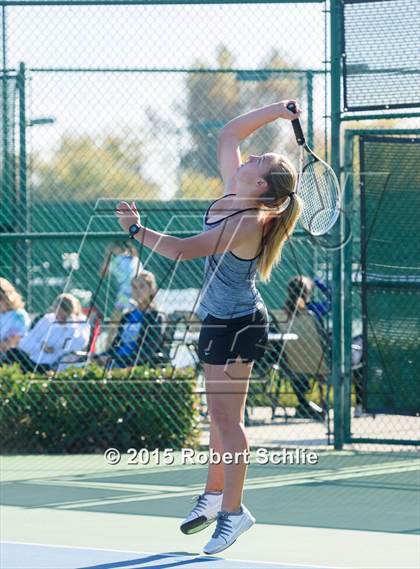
column 108, row 101
column 126, row 102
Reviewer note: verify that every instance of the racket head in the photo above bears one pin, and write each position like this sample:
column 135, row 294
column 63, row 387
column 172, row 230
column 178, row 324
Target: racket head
column 335, row 240
column 319, row 189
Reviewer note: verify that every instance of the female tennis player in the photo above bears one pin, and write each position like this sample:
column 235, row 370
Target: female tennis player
column 244, row 233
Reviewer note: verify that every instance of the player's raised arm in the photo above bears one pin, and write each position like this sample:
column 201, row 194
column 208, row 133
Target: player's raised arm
column 239, row 128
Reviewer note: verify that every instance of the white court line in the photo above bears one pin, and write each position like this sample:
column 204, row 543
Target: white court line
column 330, row 473
column 207, row 557
column 146, row 469
column 148, row 488
column 260, row 483
column 110, row 471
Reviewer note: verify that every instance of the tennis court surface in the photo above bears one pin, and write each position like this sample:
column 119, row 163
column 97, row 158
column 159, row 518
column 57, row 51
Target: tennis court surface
column 351, row 510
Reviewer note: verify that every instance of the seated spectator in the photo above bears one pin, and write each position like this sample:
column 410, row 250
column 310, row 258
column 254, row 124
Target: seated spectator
column 321, row 307
column 122, row 264
column 55, row 334
column 14, row 320
column 357, row 373
column 305, row 357
column 139, row 339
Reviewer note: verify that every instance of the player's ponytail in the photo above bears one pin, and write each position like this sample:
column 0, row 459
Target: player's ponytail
column 282, row 209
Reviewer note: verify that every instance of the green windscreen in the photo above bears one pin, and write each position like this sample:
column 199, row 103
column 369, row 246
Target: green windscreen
column 390, row 254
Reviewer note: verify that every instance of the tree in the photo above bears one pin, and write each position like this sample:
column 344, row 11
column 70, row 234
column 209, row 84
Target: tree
column 81, row 170
column 212, row 100
column 194, row 185
column 269, row 88
column 215, row 98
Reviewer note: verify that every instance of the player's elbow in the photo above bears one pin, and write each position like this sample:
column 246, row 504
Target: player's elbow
column 183, row 252
column 187, row 253
column 227, row 133
column 195, row 250
column 171, row 248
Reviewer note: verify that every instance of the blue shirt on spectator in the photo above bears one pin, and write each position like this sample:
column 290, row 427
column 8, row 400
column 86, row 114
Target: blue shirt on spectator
column 139, row 339
column 322, row 307
column 13, row 323
column 131, row 326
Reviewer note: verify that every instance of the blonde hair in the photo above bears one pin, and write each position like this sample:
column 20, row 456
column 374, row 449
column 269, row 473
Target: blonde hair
column 281, row 207
column 150, row 279
column 9, row 294
column 125, row 248
column 68, row 303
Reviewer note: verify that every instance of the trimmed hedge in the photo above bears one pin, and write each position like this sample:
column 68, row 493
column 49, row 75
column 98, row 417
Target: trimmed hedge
column 87, row 411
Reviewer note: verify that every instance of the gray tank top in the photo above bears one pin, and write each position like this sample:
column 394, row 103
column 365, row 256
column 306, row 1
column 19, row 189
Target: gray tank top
column 228, row 289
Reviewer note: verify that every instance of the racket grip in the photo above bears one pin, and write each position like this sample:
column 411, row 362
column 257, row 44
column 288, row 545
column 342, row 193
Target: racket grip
column 300, row 137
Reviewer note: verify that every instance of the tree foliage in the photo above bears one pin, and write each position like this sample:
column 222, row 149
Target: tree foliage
column 214, row 98
column 195, row 185
column 81, row 170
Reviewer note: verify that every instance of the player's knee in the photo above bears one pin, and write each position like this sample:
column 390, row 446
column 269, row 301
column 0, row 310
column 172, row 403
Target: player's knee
column 225, row 419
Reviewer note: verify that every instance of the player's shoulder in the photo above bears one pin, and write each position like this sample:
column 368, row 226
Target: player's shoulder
column 230, row 186
column 249, row 217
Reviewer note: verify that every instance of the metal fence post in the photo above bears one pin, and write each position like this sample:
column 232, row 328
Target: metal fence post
column 5, row 189
column 23, row 269
column 310, row 104
column 337, row 372
column 348, row 284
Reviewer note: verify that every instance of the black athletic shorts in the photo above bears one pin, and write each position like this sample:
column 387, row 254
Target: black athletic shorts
column 222, row 340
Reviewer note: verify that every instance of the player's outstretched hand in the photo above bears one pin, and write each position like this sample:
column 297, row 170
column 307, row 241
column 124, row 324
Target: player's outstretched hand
column 127, row 215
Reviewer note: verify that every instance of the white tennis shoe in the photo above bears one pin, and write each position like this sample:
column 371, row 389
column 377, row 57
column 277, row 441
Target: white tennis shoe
column 229, row 527
column 204, row 512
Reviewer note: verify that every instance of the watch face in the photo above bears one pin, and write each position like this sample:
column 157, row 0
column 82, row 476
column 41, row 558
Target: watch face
column 133, row 228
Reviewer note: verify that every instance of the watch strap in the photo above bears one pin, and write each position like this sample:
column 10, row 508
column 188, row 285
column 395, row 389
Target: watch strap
column 134, row 229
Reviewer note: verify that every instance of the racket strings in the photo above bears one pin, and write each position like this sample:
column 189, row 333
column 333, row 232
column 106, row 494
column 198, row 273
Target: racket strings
column 319, row 191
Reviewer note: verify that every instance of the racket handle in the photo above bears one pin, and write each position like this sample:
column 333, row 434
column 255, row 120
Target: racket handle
column 300, row 137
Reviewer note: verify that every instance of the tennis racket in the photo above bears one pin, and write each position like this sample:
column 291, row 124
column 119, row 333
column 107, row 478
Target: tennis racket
column 317, row 186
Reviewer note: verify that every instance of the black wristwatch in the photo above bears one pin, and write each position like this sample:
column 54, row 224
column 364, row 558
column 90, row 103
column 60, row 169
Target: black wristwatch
column 133, row 230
